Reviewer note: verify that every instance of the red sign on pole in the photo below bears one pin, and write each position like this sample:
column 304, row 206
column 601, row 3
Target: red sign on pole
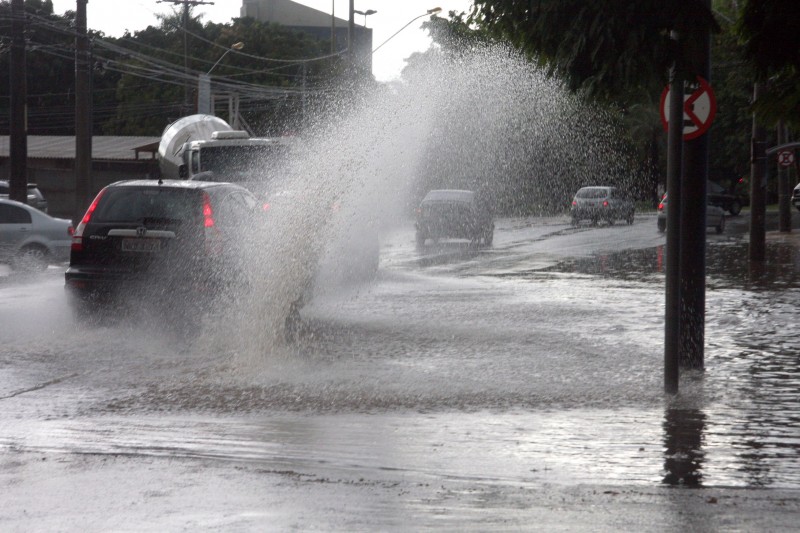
column 699, row 108
column 785, row 158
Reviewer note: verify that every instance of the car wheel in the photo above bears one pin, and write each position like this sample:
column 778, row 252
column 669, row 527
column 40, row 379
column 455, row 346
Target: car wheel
column 662, row 225
column 31, row 258
column 631, row 218
column 610, row 221
column 735, row 208
column 420, row 238
column 721, row 226
column 574, row 221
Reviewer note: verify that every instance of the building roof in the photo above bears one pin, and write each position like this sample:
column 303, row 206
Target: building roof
column 104, row 147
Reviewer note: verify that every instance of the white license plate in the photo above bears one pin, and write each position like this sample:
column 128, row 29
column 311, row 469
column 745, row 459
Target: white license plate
column 141, row 245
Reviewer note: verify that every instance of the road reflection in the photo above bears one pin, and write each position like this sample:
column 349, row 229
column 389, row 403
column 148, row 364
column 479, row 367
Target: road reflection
column 683, row 447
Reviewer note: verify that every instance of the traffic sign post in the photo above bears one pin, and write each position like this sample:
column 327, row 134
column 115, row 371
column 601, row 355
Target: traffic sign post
column 699, row 108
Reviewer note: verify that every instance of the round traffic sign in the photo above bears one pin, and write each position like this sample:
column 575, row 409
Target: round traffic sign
column 786, row 158
column 699, row 108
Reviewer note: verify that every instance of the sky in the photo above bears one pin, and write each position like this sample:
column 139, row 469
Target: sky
column 113, row 17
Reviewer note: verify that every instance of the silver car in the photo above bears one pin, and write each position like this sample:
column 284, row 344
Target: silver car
column 35, row 196
column 31, row 239
column 715, row 216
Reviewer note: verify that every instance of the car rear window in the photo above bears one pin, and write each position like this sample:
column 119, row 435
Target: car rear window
column 592, row 192
column 125, row 204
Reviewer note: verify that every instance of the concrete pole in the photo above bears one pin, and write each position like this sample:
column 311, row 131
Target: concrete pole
column 18, row 139
column 784, row 188
column 758, row 186
column 693, row 228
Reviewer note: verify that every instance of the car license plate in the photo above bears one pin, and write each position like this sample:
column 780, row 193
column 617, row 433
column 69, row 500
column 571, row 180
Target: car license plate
column 141, row 245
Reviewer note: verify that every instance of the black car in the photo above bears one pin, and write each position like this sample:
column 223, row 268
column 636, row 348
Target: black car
column 454, row 214
column 719, row 196
column 35, row 197
column 173, row 240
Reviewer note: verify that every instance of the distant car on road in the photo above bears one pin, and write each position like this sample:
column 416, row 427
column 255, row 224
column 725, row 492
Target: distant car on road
column 796, row 196
column 172, row 238
column 715, row 216
column 31, row 239
column 454, row 214
column 601, row 203
column 35, row 196
column 721, row 197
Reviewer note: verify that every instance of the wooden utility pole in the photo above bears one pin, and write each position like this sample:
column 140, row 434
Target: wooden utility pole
column 18, row 139
column 83, row 115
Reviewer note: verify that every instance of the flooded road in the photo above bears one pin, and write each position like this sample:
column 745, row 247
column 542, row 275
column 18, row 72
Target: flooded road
column 463, row 388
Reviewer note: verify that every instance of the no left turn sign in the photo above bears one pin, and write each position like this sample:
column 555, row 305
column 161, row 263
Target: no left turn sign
column 699, row 108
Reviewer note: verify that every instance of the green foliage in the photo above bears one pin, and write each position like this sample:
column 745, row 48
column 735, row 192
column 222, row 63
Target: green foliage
column 604, row 47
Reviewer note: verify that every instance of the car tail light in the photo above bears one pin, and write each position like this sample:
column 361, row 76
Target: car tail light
column 77, row 233
column 661, row 206
column 574, row 202
column 265, row 207
column 605, row 203
column 70, row 231
column 208, row 212
column 213, row 242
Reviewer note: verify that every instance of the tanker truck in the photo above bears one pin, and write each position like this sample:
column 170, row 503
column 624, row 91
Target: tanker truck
column 206, row 147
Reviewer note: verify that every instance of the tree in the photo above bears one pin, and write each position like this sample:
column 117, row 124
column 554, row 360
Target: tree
column 770, row 30
column 605, row 47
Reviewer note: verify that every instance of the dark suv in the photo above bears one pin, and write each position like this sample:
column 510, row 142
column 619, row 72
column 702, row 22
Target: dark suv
column 35, row 196
column 454, row 214
column 170, row 239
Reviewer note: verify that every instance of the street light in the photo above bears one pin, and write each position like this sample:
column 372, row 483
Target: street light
column 365, row 13
column 204, row 97
column 431, row 11
column 234, row 46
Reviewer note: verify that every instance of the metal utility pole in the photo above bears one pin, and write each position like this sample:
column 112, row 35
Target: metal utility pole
column 672, row 277
column 758, row 186
column 83, row 115
column 186, row 82
column 333, row 26
column 18, row 147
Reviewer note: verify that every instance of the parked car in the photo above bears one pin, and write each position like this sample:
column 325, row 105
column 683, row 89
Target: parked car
column 796, row 196
column 601, row 203
column 454, row 214
column 174, row 239
column 31, row 239
column 719, row 196
column 35, row 196
column 715, row 216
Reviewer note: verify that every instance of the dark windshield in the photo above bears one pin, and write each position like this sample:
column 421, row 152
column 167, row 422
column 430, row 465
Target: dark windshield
column 129, row 204
column 243, row 163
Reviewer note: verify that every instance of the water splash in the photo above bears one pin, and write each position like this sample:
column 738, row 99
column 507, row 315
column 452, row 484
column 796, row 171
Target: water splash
column 486, row 120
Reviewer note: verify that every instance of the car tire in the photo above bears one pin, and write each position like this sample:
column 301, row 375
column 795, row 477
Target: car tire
column 574, row 221
column 721, row 226
column 662, row 225
column 631, row 218
column 610, row 221
column 31, row 258
column 735, row 208
column 420, row 238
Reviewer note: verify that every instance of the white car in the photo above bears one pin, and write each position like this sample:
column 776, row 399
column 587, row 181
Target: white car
column 31, row 239
column 796, row 196
column 715, row 216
